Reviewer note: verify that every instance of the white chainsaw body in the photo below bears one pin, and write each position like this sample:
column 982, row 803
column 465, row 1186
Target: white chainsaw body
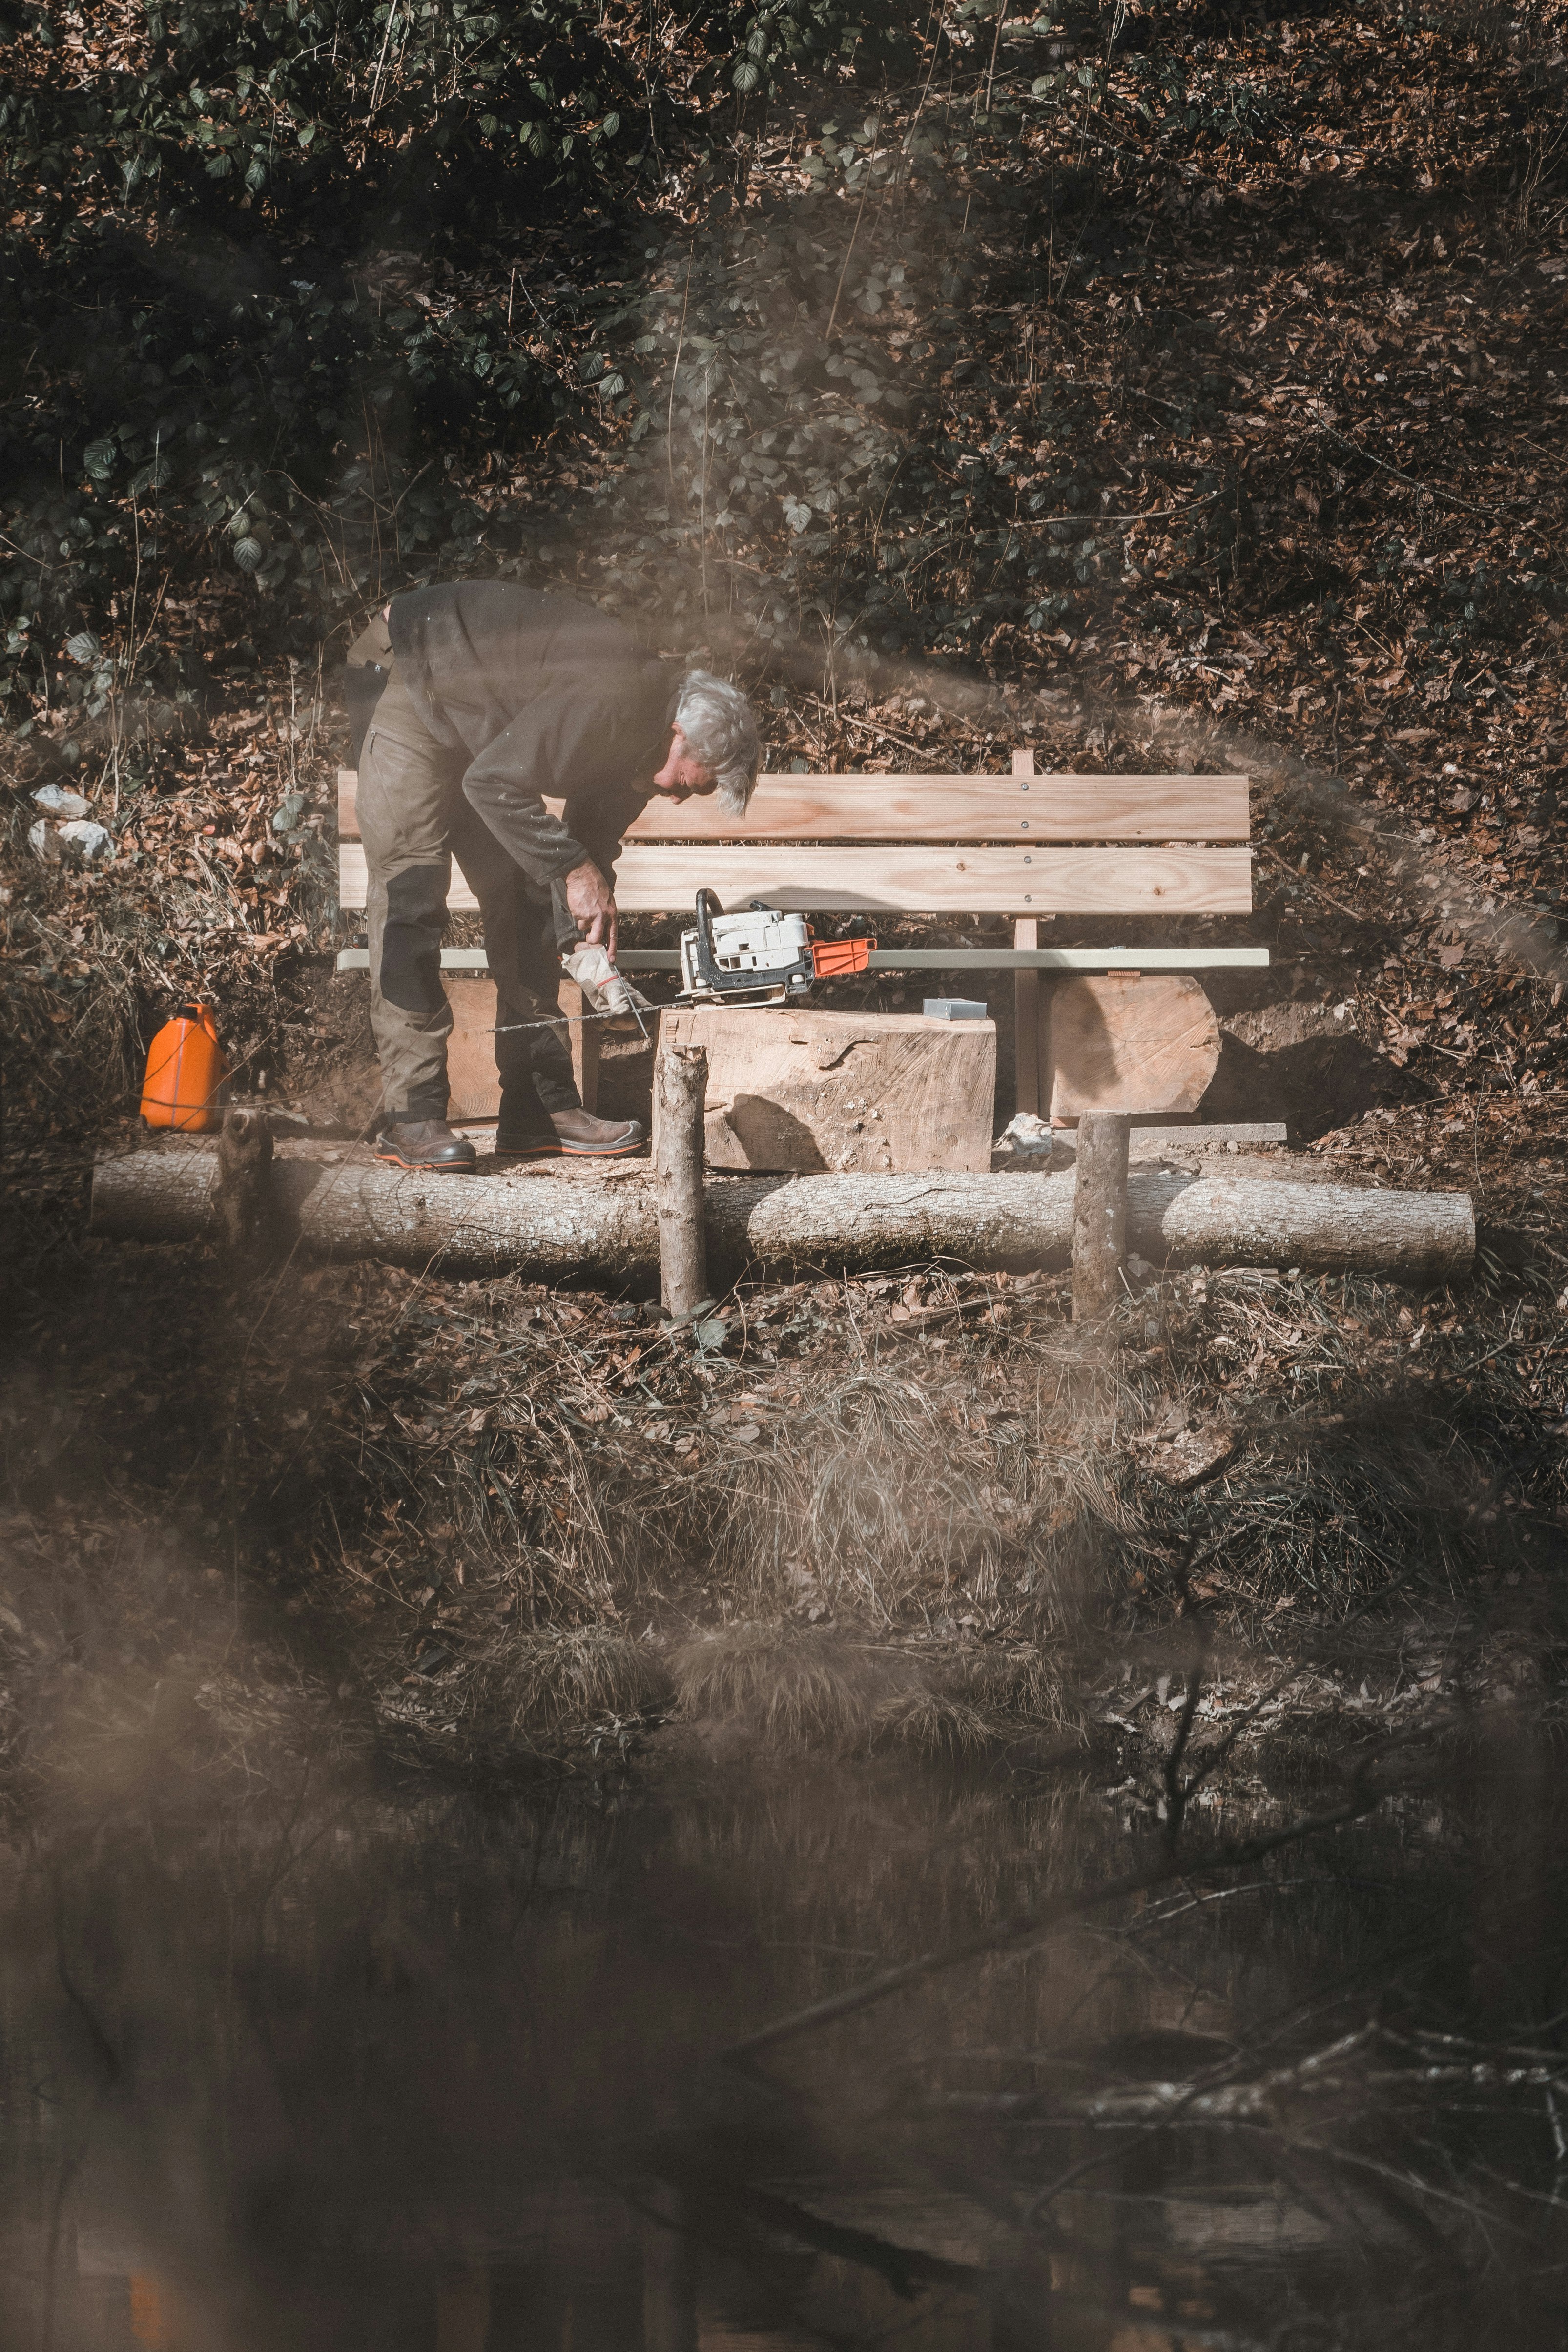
column 763, row 949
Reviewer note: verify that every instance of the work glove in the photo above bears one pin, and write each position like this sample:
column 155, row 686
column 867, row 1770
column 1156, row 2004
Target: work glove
column 607, row 990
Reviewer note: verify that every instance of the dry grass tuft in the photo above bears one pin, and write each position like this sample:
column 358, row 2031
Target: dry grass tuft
column 797, row 1688
column 882, row 1488
column 1017, row 1680
column 933, row 1725
column 540, row 1681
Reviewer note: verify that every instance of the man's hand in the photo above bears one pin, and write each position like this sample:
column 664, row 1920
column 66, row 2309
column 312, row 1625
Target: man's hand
column 592, row 903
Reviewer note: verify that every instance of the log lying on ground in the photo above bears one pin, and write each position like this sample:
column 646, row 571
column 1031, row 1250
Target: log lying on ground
column 548, row 1226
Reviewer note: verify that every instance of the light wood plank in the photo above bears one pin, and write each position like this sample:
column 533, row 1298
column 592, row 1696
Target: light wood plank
column 965, row 808
column 1046, row 959
column 651, row 880
column 943, row 808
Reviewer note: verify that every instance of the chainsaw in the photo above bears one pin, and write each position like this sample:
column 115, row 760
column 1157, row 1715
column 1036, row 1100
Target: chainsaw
column 765, row 955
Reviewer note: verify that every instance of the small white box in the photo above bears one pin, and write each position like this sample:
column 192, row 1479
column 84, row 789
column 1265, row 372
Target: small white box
column 955, row 1008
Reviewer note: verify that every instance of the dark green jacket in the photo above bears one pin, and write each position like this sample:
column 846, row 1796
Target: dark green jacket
column 544, row 695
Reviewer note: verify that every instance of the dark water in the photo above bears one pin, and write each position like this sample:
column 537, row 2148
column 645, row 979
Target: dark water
column 341, row 2071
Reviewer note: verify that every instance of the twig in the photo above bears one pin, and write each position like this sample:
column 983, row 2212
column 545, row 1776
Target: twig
column 848, row 251
column 1177, row 1792
column 1488, row 514
column 1263, row 850
column 995, row 46
column 380, row 61
column 675, row 371
column 1150, row 514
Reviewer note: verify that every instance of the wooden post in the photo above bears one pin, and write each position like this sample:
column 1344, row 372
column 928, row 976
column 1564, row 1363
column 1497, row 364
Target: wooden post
column 242, row 1199
column 1027, row 993
column 681, row 1074
column 1026, row 1025
column 1099, row 1213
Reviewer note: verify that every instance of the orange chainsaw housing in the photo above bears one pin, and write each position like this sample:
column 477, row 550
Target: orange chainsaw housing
column 833, row 958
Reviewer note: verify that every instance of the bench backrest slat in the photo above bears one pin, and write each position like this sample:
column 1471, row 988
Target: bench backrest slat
column 655, row 880
column 1023, row 844
column 905, row 808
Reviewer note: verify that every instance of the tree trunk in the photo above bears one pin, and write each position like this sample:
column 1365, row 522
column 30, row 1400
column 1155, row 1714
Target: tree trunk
column 1098, row 1214
column 680, row 1075
column 558, row 1221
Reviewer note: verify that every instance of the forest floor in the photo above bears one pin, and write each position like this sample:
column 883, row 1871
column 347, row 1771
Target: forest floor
column 481, row 1526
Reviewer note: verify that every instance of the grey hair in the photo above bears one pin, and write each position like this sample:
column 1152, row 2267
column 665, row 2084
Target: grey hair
column 721, row 730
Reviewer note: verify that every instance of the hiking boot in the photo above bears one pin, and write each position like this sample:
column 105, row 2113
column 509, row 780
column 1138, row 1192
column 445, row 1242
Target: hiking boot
column 425, row 1145
column 574, row 1135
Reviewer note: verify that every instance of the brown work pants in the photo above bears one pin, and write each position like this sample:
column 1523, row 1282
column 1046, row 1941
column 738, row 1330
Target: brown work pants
column 414, row 820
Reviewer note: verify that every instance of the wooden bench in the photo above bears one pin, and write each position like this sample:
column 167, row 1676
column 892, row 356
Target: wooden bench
column 1023, row 844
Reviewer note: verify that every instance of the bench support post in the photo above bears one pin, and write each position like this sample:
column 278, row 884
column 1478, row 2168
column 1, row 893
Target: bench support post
column 1026, row 1011
column 1099, row 1213
column 1028, row 1001
column 585, row 1037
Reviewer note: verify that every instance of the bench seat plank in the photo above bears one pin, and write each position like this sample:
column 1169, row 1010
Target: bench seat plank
column 942, row 808
column 656, row 880
column 1040, row 960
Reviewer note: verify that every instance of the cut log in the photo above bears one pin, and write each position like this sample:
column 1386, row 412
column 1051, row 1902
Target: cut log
column 560, row 1220
column 680, row 1085
column 472, row 1078
column 799, row 1091
column 472, row 1082
column 1122, row 1042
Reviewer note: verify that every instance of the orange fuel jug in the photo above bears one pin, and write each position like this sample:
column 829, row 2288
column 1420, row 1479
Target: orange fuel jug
column 185, row 1072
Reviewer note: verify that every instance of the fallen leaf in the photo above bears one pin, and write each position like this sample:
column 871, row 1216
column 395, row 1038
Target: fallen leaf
column 1184, row 1457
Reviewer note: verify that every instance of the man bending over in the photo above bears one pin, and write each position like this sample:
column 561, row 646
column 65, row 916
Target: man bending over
column 469, row 704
